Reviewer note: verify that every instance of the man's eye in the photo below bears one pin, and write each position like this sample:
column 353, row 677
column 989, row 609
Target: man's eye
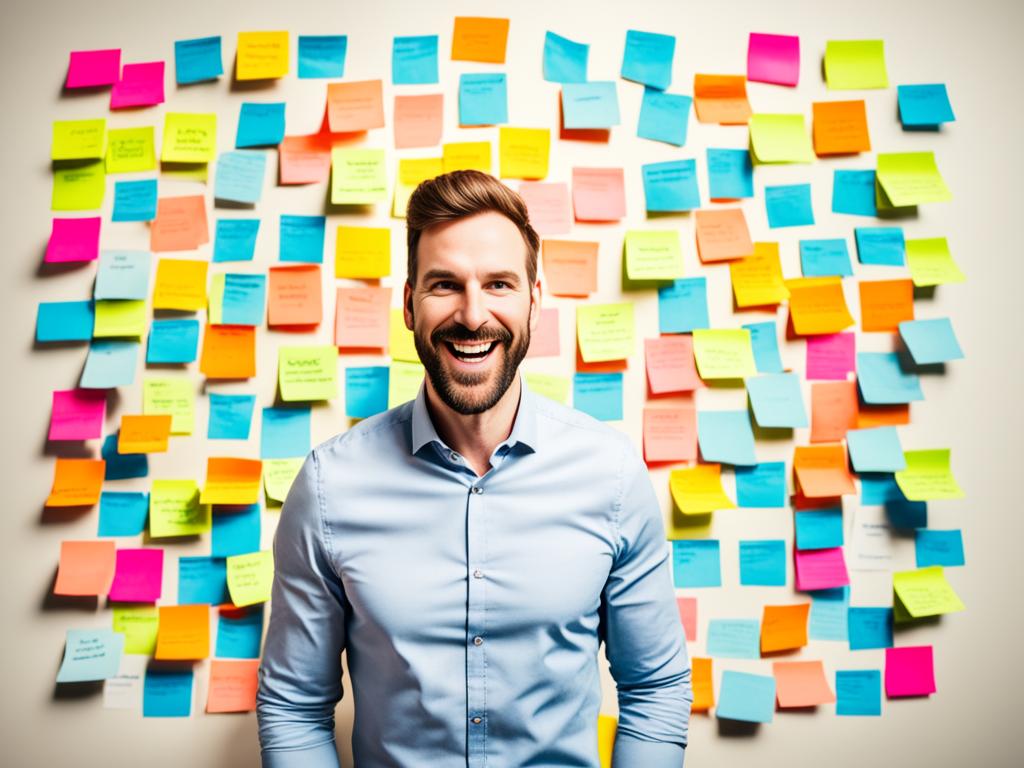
column 500, row 285
column 444, row 285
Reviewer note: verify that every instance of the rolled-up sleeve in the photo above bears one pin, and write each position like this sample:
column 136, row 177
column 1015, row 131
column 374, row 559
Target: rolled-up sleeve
column 300, row 675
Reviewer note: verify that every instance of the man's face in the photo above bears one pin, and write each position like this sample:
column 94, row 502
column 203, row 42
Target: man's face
column 472, row 309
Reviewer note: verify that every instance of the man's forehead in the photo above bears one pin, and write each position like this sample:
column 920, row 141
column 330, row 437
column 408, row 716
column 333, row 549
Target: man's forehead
column 484, row 243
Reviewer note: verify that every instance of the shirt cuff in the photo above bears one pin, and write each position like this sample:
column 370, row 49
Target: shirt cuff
column 321, row 756
column 635, row 753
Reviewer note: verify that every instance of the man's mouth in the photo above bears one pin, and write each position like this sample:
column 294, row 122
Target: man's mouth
column 471, row 353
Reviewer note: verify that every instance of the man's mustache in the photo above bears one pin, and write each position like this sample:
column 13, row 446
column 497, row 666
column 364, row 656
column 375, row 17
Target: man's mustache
column 462, row 335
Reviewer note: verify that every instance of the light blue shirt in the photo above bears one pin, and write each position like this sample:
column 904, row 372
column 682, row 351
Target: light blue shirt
column 472, row 608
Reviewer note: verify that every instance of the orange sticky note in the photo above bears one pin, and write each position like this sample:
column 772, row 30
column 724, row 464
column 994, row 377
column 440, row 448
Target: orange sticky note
column 884, row 304
column 598, row 194
column 757, row 280
column 817, row 305
column 304, row 159
column 545, row 342
column 293, row 295
column 144, row 434
column 882, row 415
column 180, row 224
column 180, row 284
column 76, row 482
column 670, row 434
column 547, row 204
column 821, row 470
column 570, row 267
column 721, row 99
column 233, row 685
column 671, row 366
column 479, row 39
column 784, row 627
column 418, row 120
column 361, row 317
column 833, row 410
column 687, row 607
column 232, row 481
column 229, row 352
column 801, row 684
column 355, row 106
column 184, row 633
column 86, row 568
column 722, row 234
column 840, row 128
column 702, row 683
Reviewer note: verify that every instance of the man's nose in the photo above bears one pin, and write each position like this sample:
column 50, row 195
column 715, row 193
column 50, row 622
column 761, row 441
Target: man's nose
column 471, row 312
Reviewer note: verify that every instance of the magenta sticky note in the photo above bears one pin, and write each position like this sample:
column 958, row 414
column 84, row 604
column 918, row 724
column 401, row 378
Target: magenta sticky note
column 820, row 569
column 138, row 576
column 909, row 671
column 77, row 414
column 773, row 59
column 74, row 240
column 88, row 69
column 831, row 356
column 141, row 85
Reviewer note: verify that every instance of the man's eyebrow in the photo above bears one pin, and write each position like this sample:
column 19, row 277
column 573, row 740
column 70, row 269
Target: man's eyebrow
column 508, row 275
column 445, row 274
column 438, row 274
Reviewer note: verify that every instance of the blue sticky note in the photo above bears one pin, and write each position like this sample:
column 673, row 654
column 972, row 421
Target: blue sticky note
column 819, row 528
column 763, row 563
column 236, row 530
column 930, row 341
column 825, row 258
column 230, row 416
column 110, row 363
column 235, row 239
column 565, row 61
column 167, row 692
column 734, row 639
column 197, row 60
column 483, row 99
column 64, row 321
column 589, row 105
column 924, row 105
column 762, row 485
column 598, row 394
column 366, row 391
column 726, row 437
column 284, row 433
column 870, row 628
column 883, row 382
column 664, row 117
column 885, row 246
column 202, row 580
column 648, row 58
column 828, row 619
column 746, row 697
column 878, row 488
column 858, row 692
column 853, row 192
column 906, row 514
column 938, row 547
column 122, row 275
column 683, row 305
column 134, row 200
column 776, row 400
column 245, row 299
column 239, row 633
column 302, row 238
column 322, row 56
column 789, row 205
column 730, row 174
column 671, row 186
column 764, row 339
column 122, row 466
column 173, row 341
column 876, row 449
column 90, row 655
column 123, row 513
column 260, row 124
column 696, row 563
column 240, row 176
column 414, row 60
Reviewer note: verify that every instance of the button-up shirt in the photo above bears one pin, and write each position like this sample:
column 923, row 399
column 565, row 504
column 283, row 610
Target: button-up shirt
column 472, row 608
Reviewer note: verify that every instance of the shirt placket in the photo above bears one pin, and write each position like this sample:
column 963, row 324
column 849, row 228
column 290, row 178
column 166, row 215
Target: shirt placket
column 476, row 630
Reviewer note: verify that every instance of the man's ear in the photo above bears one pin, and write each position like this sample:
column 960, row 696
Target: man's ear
column 535, row 294
column 407, row 305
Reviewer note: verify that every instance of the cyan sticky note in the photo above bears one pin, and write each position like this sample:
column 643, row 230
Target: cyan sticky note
column 885, row 246
column 236, row 530
column 565, row 61
column 730, row 174
column 239, row 176
column 598, row 395
column 64, row 321
column 746, row 697
column 110, row 363
column 762, row 485
column 878, row 488
column 590, row 105
column 197, row 60
column 825, row 258
column 202, row 580
column 122, row 275
column 414, row 60
column 828, row 617
column 260, row 124
column 905, row 514
column 870, row 628
column 284, row 432
column 366, row 391
column 167, row 692
column 777, row 401
column 90, row 655
column 883, row 382
column 671, row 186
column 763, row 563
column 924, row 105
column 934, row 547
column 764, row 339
column 123, row 513
column 819, row 528
column 483, row 99
column 858, row 692
column 322, row 56
column 302, row 238
column 789, row 205
column 134, row 200
column 876, row 449
column 726, row 437
column 239, row 633
column 853, row 192
column 683, row 305
column 734, row 639
column 696, row 563
column 173, row 341
column 122, row 466
column 647, row 58
column 230, row 416
column 664, row 117
column 930, row 341
column 235, row 239
column 245, row 299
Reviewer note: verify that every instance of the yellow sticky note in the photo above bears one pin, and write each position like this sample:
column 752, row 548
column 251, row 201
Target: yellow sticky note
column 261, row 55
column 928, row 476
column 605, row 331
column 818, row 305
column 698, row 490
column 362, row 252
column 854, row 64
column 308, row 373
column 231, row 481
column 909, row 178
column 189, row 137
column 653, row 254
column 466, row 156
column 779, row 139
column 931, row 263
column 250, row 577
column 923, row 592
column 131, row 150
column 180, row 284
column 215, row 300
column 173, row 396
column 357, row 176
column 724, row 353
column 404, row 380
column 175, row 510
column 278, row 476
column 523, row 152
column 757, row 280
column 401, row 344
column 116, row 317
column 78, row 186
column 411, row 173
column 550, row 386
column 139, row 625
column 606, row 728
column 78, row 139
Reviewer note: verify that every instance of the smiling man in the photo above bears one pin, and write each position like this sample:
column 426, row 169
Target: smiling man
column 473, row 548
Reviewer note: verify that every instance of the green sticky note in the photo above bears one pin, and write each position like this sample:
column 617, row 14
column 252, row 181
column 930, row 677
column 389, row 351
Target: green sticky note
column 909, row 178
column 404, row 380
column 278, row 475
column 131, row 150
column 189, row 137
column 308, row 373
column 78, row 139
column 119, row 318
column 173, row 396
column 550, row 386
column 250, row 577
column 215, row 300
column 139, row 626
column 854, row 64
column 724, row 353
column 174, row 509
column 358, row 176
column 605, row 331
column 923, row 592
column 931, row 263
column 653, row 255
column 78, row 185
column 779, row 139
column 928, row 476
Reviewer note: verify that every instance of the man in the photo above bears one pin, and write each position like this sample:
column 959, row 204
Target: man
column 472, row 548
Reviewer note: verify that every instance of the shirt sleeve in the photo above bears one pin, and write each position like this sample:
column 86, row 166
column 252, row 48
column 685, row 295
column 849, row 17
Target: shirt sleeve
column 644, row 638
column 300, row 675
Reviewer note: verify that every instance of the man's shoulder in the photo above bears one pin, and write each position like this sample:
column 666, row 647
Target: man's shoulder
column 561, row 423
column 386, row 426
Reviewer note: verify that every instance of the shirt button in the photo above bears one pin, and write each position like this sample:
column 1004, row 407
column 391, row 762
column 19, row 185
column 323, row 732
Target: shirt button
column 478, row 574
column 478, row 640
column 477, row 721
column 453, row 456
column 477, row 489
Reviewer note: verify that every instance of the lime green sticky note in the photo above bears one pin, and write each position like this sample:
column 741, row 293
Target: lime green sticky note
column 724, row 353
column 119, row 318
column 928, row 476
column 404, row 380
column 173, row 396
column 78, row 139
column 358, row 176
column 78, row 185
column 552, row 387
column 909, row 178
column 139, row 625
column 605, row 331
column 653, row 254
column 401, row 343
column 189, row 137
column 215, row 300
column 779, row 139
column 250, row 577
column 924, row 592
column 185, row 171
column 853, row 64
column 278, row 475
column 308, row 373
column 131, row 150
column 931, row 262
column 174, row 509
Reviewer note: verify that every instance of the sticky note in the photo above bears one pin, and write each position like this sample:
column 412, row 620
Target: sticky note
column 687, row 607
column 418, row 120
column 197, row 60
column 138, row 626
column 909, row 671
column 110, row 363
column 831, row 356
column 773, row 59
column 184, row 633
column 829, row 608
column 167, row 692
column 175, row 509
column 231, row 481
column 757, row 279
column 65, row 321
column 875, row 450
column 762, row 485
column 471, row 155
column 322, row 56
column 138, row 576
column 239, row 632
column 414, row 171
column 130, row 150
column 670, row 434
column 855, row 64
column 698, row 489
column 783, row 627
column 776, row 400
column 801, row 684
column 78, row 185
column 726, row 437
column 400, row 339
column 818, row 306
column 77, row 414
column 763, row 563
column 779, row 138
column 931, row 262
column 366, row 391
column 764, row 339
column 822, row 258
column 870, row 628
column 671, row 186
column 730, row 174
column 301, row 238
column 880, row 245
column 821, row 470
column 722, row 234
column 90, row 69
column 135, row 200
column 86, row 568
column 173, row 341
column 840, row 128
column 239, row 176
column 647, row 58
column 723, row 353
column 930, row 341
column 928, row 476
column 293, row 295
column 285, row 432
column 180, row 225
column 548, row 207
column 230, row 416
column 523, row 152
column 189, row 137
column 909, row 178
column 882, row 381
column 250, row 577
column 746, row 697
column 853, row 192
column 483, row 99
column 598, row 395
column 229, row 352
column 76, row 482
column 355, row 106
column 278, row 476
column 414, row 60
column 308, row 373
column 605, row 331
column 304, row 159
column 120, row 467
column 565, row 61
column 122, row 275
column 201, row 580
column 820, row 569
column 232, row 686
column 261, row 55
column 592, row 104
column 670, row 365
column 122, row 513
column 664, row 117
column 476, row 38
column 924, row 105
column 362, row 317
column 599, row 194
column 858, row 692
column 141, row 85
column 244, row 299
column 90, row 654
column 818, row 528
column 119, row 318
column 696, row 563
column 656, row 255
column 733, row 638
column 78, row 139
column 144, row 434
column 884, row 304
column 834, row 410
column 362, row 252
column 945, row 548
column 789, row 205
column 358, row 176
column 236, row 531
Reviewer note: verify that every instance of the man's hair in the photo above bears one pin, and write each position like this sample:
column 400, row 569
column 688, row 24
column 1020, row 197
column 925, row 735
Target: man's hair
column 459, row 194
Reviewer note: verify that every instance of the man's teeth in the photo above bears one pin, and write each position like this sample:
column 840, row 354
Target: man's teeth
column 472, row 349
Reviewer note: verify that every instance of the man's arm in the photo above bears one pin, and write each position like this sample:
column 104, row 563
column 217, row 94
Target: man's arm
column 644, row 638
column 300, row 676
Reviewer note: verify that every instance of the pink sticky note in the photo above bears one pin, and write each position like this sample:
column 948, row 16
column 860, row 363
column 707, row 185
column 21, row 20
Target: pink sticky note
column 77, row 414
column 141, row 85
column 548, row 206
column 909, row 671
column 670, row 434
column 598, row 194
column 88, row 69
column 688, row 615
column 138, row 576
column 832, row 356
column 773, row 59
column 74, row 240
column 820, row 569
column 544, row 341
column 670, row 364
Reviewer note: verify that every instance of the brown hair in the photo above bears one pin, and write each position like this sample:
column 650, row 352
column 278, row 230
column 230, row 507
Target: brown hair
column 459, row 194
